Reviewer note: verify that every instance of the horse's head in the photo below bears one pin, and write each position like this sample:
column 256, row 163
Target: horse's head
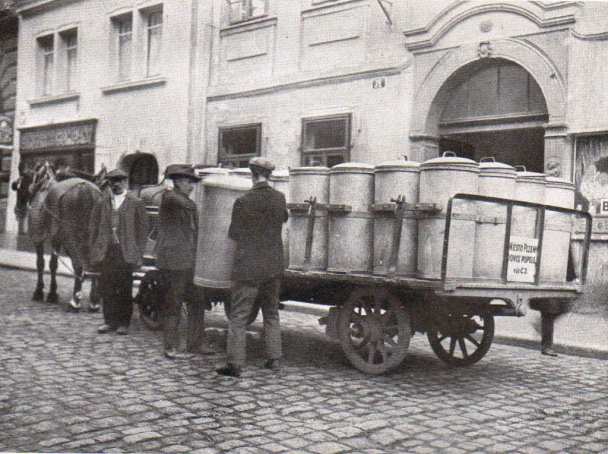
column 44, row 176
column 100, row 179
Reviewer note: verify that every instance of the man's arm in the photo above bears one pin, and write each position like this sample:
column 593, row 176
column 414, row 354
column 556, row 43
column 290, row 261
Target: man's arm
column 236, row 223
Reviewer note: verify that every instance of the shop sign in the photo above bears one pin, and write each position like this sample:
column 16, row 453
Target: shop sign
column 523, row 256
column 6, row 131
column 57, row 137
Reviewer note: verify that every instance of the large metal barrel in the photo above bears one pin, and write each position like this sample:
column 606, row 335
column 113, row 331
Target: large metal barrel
column 215, row 253
column 308, row 230
column 440, row 179
column 351, row 191
column 280, row 181
column 392, row 180
column 529, row 187
column 199, row 192
column 243, row 172
column 558, row 228
column 495, row 180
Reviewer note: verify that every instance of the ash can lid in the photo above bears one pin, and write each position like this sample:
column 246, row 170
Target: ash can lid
column 555, row 182
column 449, row 161
column 489, row 167
column 398, row 166
column 352, row 167
column 308, row 171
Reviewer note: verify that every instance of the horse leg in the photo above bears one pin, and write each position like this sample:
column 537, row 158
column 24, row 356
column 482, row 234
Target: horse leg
column 52, row 296
column 94, row 295
column 39, row 292
column 76, row 301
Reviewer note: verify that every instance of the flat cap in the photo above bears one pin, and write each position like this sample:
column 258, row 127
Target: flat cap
column 116, row 174
column 181, row 170
column 261, row 163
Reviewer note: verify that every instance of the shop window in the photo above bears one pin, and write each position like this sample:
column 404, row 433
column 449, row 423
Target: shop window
column 326, row 140
column 123, row 31
column 46, row 64
column 242, row 10
column 154, row 33
column 237, row 145
column 69, row 42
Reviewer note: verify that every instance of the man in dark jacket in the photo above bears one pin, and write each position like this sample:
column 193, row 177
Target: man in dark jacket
column 176, row 253
column 118, row 228
column 22, row 187
column 257, row 221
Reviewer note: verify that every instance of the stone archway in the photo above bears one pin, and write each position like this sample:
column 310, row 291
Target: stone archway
column 433, row 91
column 142, row 169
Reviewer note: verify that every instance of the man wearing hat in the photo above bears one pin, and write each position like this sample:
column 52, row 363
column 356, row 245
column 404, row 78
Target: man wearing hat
column 257, row 221
column 118, row 228
column 176, row 255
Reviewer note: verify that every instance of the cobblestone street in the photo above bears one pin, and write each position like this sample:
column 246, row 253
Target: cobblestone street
column 66, row 389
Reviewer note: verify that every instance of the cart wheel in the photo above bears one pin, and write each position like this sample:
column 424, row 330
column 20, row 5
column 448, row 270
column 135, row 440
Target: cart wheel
column 254, row 313
column 462, row 339
column 374, row 330
column 151, row 292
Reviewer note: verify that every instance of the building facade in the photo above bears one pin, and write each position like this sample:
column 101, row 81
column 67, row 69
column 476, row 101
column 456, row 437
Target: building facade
column 8, row 91
column 325, row 81
column 110, row 84
column 142, row 83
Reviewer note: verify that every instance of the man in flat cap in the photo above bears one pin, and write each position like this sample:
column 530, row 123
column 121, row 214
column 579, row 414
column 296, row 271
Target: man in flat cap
column 257, row 221
column 176, row 255
column 118, row 227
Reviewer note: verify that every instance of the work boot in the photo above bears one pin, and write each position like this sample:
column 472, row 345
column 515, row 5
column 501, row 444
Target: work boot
column 122, row 330
column 548, row 351
column 104, row 329
column 171, row 353
column 273, row 364
column 229, row 370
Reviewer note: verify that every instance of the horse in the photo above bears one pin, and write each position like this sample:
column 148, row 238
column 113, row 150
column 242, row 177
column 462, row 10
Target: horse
column 59, row 211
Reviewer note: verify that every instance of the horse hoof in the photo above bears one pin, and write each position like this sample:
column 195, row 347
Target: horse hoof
column 74, row 305
column 93, row 307
column 38, row 295
column 52, row 298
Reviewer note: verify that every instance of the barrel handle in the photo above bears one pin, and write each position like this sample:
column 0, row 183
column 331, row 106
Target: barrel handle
column 520, row 168
column 450, row 154
column 488, row 159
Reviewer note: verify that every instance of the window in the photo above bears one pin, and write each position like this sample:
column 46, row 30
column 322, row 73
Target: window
column 326, row 140
column 239, row 144
column 136, row 49
column 69, row 40
column 46, row 51
column 123, row 29
column 154, row 32
column 242, row 10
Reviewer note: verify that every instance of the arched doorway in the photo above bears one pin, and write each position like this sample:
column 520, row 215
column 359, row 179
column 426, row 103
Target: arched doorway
column 439, row 78
column 142, row 169
column 493, row 107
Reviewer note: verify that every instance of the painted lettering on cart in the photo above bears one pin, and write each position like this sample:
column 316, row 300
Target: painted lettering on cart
column 523, row 253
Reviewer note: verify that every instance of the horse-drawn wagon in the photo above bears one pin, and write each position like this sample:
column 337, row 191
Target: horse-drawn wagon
column 482, row 265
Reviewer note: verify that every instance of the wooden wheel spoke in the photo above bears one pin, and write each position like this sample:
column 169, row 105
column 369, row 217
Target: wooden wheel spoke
column 371, row 353
column 463, row 347
column 472, row 340
column 452, row 345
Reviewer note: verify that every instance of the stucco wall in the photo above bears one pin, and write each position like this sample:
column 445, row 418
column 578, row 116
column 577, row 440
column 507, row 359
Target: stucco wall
column 379, row 118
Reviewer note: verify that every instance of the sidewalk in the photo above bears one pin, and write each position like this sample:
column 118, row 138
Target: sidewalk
column 575, row 333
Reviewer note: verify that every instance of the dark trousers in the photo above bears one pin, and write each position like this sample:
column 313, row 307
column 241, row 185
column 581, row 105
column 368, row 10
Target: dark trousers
column 242, row 301
column 177, row 283
column 116, row 288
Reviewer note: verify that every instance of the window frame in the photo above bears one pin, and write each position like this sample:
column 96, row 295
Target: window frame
column 46, row 76
column 249, row 16
column 146, row 15
column 117, row 22
column 224, row 158
column 322, row 154
column 69, row 80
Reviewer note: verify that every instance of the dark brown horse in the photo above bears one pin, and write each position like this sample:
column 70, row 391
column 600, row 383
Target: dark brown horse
column 59, row 213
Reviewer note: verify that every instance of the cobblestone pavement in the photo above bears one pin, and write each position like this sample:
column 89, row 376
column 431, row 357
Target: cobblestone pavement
column 65, row 389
